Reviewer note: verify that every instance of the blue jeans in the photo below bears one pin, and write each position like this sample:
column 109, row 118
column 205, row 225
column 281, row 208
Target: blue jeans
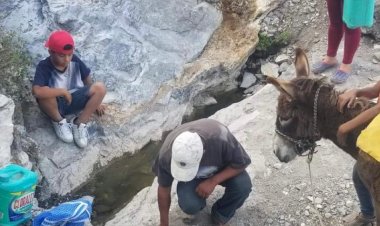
column 79, row 100
column 366, row 206
column 236, row 192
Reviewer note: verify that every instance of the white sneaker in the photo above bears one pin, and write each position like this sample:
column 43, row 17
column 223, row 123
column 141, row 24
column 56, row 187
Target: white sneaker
column 80, row 134
column 63, row 130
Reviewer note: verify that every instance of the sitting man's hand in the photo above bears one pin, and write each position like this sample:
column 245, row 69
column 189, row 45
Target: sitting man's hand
column 205, row 188
column 101, row 110
column 68, row 97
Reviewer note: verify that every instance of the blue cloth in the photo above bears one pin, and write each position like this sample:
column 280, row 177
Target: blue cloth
column 73, row 213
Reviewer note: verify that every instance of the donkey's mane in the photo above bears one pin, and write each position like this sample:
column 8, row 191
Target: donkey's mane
column 306, row 88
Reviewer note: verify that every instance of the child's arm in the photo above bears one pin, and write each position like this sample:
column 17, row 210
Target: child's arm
column 359, row 120
column 349, row 96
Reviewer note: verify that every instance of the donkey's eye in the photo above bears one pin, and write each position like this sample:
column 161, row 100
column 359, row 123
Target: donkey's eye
column 284, row 122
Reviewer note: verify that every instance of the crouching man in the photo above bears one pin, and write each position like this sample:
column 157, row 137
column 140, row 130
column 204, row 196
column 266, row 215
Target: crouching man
column 201, row 155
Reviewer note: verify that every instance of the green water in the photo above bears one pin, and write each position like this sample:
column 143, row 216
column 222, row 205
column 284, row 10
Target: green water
column 116, row 185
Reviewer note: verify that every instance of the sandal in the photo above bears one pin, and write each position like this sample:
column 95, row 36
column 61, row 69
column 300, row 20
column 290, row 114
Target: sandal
column 340, row 77
column 321, row 66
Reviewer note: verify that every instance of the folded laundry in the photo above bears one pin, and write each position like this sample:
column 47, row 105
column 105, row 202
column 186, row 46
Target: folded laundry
column 72, row 213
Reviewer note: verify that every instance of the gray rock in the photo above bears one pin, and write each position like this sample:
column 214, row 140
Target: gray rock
column 376, row 55
column 7, row 107
column 277, row 165
column 283, row 67
column 138, row 49
column 318, row 200
column 270, row 69
column 248, row 80
column 281, row 58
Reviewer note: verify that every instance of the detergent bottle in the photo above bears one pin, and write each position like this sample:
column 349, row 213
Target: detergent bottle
column 17, row 186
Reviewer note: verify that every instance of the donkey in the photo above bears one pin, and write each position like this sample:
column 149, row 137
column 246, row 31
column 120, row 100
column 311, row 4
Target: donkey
column 307, row 111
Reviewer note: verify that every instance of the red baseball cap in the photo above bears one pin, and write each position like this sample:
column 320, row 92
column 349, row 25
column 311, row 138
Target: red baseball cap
column 61, row 42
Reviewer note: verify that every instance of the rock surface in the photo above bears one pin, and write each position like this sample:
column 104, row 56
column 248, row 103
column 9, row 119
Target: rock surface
column 154, row 57
column 6, row 127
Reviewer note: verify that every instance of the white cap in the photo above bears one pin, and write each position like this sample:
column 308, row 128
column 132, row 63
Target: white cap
column 187, row 152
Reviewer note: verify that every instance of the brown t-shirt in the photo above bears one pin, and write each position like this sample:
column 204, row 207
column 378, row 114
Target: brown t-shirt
column 221, row 149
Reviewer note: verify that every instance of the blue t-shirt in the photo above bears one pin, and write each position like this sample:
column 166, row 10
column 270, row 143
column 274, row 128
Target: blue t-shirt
column 71, row 79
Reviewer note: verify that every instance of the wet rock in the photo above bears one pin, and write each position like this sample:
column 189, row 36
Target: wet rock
column 204, row 100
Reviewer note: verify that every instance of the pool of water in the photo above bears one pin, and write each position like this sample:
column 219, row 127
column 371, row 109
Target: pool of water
column 122, row 179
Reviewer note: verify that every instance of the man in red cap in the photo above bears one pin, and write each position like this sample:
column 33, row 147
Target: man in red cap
column 63, row 86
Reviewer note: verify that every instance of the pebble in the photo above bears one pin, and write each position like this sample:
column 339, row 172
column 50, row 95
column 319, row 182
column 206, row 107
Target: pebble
column 349, row 203
column 318, row 200
column 277, row 165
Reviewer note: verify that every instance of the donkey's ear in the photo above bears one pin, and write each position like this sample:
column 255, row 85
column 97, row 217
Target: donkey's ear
column 283, row 86
column 301, row 63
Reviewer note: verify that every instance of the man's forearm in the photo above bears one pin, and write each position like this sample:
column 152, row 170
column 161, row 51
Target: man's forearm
column 164, row 200
column 226, row 174
column 47, row 92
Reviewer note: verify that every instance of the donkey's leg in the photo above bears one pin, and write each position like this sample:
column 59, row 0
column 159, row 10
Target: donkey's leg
column 369, row 171
column 375, row 192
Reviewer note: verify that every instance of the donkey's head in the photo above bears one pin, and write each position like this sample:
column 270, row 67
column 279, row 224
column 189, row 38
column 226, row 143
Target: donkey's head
column 296, row 129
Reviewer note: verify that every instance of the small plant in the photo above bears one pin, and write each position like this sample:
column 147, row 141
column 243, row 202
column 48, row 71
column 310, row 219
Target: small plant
column 14, row 63
column 270, row 45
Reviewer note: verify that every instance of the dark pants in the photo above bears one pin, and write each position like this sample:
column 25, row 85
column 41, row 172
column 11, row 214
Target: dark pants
column 366, row 206
column 336, row 30
column 79, row 100
column 237, row 191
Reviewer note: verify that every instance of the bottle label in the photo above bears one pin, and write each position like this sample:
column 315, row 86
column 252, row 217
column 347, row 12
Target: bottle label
column 21, row 207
